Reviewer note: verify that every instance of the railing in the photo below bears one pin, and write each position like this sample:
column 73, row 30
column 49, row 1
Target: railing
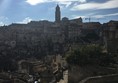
column 101, row 79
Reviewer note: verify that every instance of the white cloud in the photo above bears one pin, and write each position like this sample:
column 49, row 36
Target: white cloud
column 107, row 15
column 96, row 16
column 3, row 20
column 26, row 20
column 66, row 2
column 35, row 2
column 1, row 24
column 94, row 5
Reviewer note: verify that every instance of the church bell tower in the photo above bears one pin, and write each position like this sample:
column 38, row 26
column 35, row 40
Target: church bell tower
column 57, row 14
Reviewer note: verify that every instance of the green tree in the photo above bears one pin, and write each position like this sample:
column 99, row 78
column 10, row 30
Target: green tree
column 89, row 54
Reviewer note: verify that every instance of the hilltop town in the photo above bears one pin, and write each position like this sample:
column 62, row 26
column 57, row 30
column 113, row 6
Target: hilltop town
column 36, row 51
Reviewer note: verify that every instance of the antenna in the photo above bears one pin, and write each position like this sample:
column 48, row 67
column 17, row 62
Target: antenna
column 93, row 18
column 89, row 18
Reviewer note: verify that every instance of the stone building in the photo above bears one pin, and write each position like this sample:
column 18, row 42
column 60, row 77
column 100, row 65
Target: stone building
column 31, row 66
column 110, row 36
column 91, row 25
column 36, row 31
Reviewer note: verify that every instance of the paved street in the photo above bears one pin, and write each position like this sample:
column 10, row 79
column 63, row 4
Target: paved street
column 65, row 80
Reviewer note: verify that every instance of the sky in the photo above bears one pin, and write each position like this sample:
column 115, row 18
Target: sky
column 24, row 11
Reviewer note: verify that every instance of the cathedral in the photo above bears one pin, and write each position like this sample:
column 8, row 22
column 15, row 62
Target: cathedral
column 58, row 17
